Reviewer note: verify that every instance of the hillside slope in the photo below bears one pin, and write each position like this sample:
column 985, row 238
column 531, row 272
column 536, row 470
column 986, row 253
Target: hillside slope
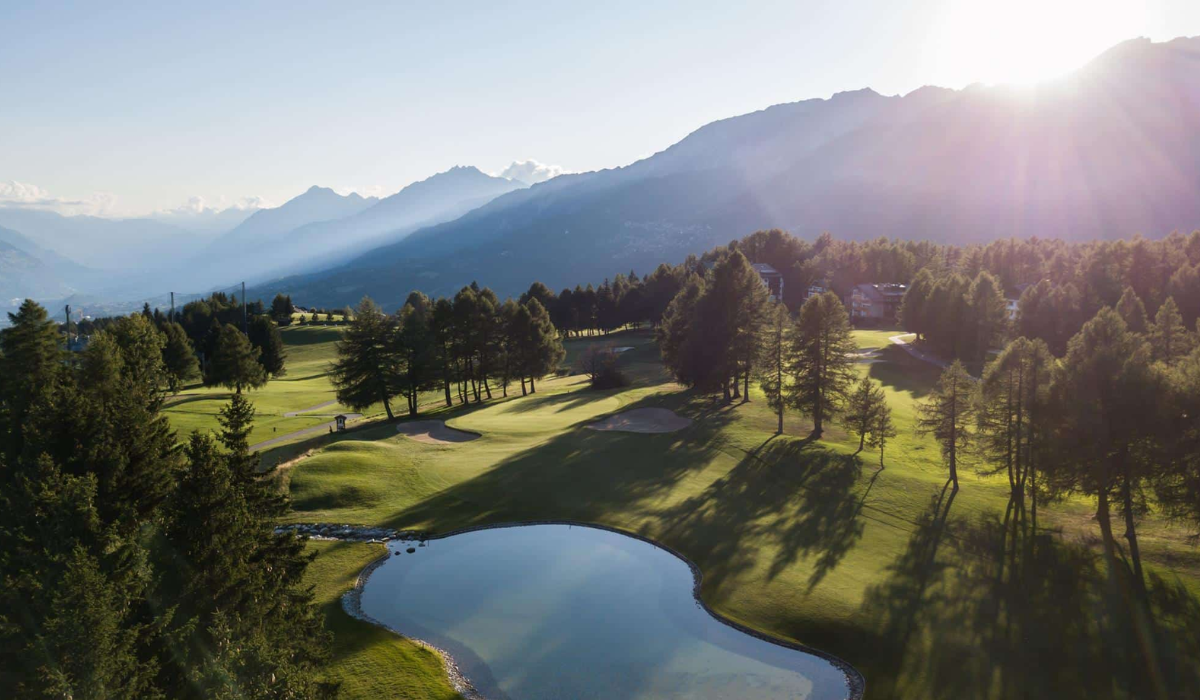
column 1107, row 152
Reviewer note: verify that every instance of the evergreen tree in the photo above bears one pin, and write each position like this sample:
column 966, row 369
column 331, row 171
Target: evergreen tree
column 282, row 309
column 913, row 315
column 141, row 352
column 441, row 323
column 774, row 360
column 821, row 368
column 675, row 332
column 988, row 314
column 362, row 373
column 264, row 335
column 234, row 363
column 1012, row 415
column 1133, row 311
column 416, row 350
column 862, row 409
column 30, row 358
column 947, row 413
column 882, row 430
column 1169, row 339
column 178, row 357
column 1105, row 400
column 544, row 348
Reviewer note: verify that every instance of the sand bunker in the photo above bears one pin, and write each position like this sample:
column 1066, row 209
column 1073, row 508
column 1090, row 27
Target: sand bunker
column 643, row 420
column 434, row 432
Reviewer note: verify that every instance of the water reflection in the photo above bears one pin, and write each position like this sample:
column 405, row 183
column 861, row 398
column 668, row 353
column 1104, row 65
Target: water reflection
column 553, row 611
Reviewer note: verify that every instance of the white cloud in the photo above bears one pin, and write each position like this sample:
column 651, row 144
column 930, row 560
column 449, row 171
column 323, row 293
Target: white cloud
column 531, row 172
column 27, row 196
column 199, row 206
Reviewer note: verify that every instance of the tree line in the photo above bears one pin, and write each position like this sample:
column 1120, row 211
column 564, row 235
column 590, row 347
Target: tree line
column 204, row 340
column 132, row 567
column 461, row 346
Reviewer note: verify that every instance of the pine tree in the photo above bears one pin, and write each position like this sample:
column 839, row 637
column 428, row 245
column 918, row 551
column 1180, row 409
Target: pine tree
column 882, row 430
column 947, row 413
column 30, row 358
column 415, row 350
column 178, row 357
column 774, row 360
column 822, row 369
column 141, row 352
column 913, row 312
column 862, row 408
column 234, row 364
column 1105, row 400
column 988, row 315
column 1012, row 413
column 264, row 335
column 362, row 373
column 1169, row 340
column 1133, row 311
column 545, row 350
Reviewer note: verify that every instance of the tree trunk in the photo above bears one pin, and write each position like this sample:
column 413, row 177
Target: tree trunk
column 737, row 385
column 746, row 384
column 1131, row 533
column 862, row 442
column 725, row 388
column 532, row 388
column 487, row 388
column 523, row 385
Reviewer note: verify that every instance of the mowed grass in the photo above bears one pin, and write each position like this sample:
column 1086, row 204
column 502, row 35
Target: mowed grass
column 803, row 540
column 310, row 349
column 367, row 659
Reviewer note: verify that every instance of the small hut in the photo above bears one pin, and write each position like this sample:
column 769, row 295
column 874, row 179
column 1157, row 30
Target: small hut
column 341, row 422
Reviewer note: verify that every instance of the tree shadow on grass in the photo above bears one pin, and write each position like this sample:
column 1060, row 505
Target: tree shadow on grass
column 578, row 474
column 564, row 401
column 789, row 492
column 902, row 372
column 999, row 611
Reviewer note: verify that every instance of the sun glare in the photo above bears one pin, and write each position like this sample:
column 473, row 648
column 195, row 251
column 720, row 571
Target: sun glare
column 1027, row 41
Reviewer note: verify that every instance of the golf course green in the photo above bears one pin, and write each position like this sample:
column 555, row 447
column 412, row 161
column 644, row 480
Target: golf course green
column 803, row 540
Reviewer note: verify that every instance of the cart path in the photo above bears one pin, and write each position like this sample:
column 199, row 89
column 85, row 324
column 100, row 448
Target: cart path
column 324, row 427
column 900, row 340
column 310, row 409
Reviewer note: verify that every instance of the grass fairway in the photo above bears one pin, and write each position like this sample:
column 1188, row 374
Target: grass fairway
column 310, row 349
column 801, row 539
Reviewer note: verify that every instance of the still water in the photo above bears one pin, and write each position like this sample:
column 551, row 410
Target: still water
column 555, row 612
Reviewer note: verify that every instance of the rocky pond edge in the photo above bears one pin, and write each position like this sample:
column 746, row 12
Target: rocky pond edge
column 352, row 600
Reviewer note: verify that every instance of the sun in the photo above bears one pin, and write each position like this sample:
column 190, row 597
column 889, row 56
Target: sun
column 1027, row 41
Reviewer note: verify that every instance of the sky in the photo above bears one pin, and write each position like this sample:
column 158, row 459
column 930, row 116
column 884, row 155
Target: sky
column 123, row 109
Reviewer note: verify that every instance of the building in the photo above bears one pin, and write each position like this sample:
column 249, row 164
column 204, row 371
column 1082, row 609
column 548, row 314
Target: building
column 341, row 422
column 772, row 279
column 876, row 301
column 816, row 290
column 1011, row 305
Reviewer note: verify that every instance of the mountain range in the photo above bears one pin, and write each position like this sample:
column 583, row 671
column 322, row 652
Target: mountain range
column 1108, row 151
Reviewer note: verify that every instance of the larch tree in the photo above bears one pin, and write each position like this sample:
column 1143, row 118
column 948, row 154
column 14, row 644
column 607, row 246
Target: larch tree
column 821, row 367
column 947, row 414
column 988, row 314
column 1105, row 402
column 1012, row 416
column 774, row 360
column 415, row 350
column 1169, row 338
column 1133, row 311
column 882, row 430
column 362, row 372
column 862, row 407
column 544, row 347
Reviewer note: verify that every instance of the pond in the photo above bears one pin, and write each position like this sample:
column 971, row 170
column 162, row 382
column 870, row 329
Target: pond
column 542, row 612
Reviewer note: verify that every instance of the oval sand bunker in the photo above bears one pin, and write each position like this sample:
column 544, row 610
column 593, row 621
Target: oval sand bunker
column 643, row 420
column 435, row 432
